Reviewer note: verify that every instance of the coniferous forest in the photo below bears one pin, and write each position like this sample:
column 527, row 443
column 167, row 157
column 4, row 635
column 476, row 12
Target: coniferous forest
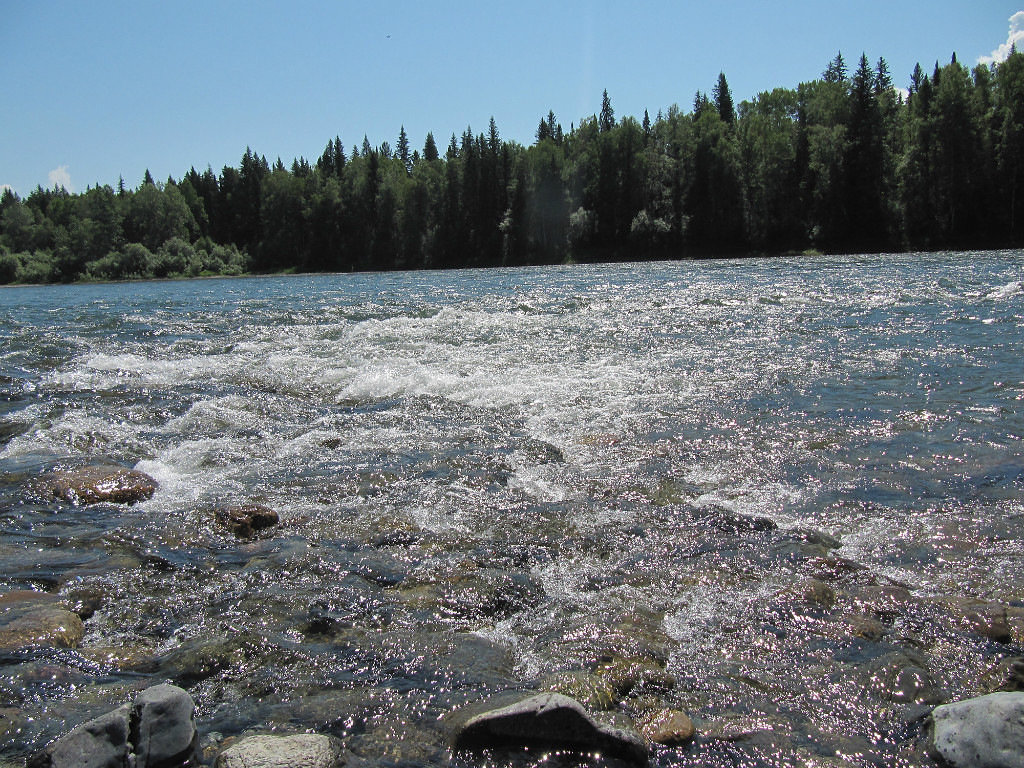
column 844, row 163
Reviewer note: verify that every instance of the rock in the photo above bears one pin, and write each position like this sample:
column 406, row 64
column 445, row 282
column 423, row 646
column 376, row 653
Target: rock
column 30, row 618
column 12, row 724
column 592, row 691
column 817, row 593
column 986, row 732
column 984, row 618
column 92, row 485
column 1007, row 675
column 900, row 677
column 669, row 727
column 85, row 602
column 99, row 743
column 247, row 520
column 546, row 720
column 200, row 659
column 626, row 674
column 305, row 750
column 886, row 603
column 155, row 731
column 163, row 732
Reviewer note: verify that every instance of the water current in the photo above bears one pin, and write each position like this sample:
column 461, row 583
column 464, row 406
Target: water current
column 772, row 493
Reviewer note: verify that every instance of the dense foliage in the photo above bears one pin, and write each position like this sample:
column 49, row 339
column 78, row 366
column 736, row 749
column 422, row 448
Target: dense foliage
column 840, row 163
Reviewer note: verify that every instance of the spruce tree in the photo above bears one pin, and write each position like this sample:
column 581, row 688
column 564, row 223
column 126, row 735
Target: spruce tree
column 722, row 99
column 430, row 148
column 606, row 121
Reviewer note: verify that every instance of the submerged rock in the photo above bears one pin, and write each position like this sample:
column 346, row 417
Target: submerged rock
column 592, row 691
column 37, row 619
column 986, row 732
column 1007, row 675
column 247, row 520
column 155, row 731
column 669, row 727
column 93, row 485
column 547, row 720
column 306, row 750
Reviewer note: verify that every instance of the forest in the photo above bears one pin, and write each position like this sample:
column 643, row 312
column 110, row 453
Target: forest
column 843, row 163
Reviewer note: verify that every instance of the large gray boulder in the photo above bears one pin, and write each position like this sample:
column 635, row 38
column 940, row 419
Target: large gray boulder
column 304, row 750
column 545, row 721
column 155, row 731
column 163, row 731
column 986, row 732
column 98, row 743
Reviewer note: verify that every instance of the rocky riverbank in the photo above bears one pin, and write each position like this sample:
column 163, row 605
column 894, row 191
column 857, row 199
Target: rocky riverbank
column 614, row 682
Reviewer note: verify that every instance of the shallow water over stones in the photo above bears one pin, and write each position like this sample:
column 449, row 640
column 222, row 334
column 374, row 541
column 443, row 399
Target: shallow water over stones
column 784, row 497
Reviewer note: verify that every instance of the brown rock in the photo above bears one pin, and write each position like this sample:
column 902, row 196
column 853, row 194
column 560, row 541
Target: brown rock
column 35, row 619
column 247, row 520
column 817, row 592
column 625, row 674
column 984, row 618
column 669, row 727
column 93, row 485
column 593, row 692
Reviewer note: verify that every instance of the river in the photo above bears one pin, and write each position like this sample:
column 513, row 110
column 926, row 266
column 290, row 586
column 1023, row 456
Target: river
column 774, row 494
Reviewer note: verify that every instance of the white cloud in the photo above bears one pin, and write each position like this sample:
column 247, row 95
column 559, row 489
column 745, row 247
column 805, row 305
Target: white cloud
column 59, row 177
column 1016, row 37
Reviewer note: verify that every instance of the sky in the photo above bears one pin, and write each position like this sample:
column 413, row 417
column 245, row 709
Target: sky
column 93, row 92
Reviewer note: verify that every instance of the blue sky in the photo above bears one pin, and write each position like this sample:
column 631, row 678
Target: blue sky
column 94, row 91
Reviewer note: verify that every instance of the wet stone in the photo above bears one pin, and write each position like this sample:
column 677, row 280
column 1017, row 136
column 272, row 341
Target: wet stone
column 817, row 593
column 901, row 677
column 592, row 691
column 1007, row 675
column 987, row 619
column 30, row 619
column 885, row 603
column 628, row 674
column 98, row 484
column 669, row 727
column 155, row 731
column 247, row 520
column 200, row 659
column 306, row 750
column 544, row 721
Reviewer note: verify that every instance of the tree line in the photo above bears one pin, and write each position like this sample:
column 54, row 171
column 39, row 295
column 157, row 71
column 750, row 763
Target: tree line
column 841, row 163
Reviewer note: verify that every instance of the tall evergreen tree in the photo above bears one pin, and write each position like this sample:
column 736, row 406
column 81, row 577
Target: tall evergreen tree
column 721, row 97
column 606, row 120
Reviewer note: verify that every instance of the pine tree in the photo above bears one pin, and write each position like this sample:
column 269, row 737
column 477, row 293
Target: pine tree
column 836, row 71
column 402, row 150
column 430, row 148
column 721, row 97
column 606, row 121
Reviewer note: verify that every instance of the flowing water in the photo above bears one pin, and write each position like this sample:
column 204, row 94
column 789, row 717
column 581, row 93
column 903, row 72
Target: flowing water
column 764, row 492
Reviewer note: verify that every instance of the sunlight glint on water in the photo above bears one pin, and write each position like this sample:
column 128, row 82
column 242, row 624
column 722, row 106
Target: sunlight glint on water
column 758, row 487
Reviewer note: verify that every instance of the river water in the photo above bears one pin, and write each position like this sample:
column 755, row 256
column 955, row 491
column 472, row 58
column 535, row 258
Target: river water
column 763, row 492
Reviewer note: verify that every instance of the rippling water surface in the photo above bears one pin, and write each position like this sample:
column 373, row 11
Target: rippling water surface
column 763, row 492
